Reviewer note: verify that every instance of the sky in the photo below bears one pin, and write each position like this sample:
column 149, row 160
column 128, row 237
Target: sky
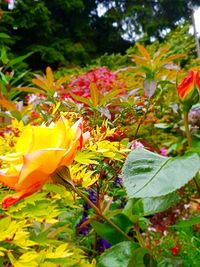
column 197, row 21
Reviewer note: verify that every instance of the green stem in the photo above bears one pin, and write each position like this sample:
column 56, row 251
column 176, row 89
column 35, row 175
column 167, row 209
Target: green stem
column 139, row 236
column 98, row 212
column 187, row 130
column 189, row 140
column 197, row 182
column 142, row 119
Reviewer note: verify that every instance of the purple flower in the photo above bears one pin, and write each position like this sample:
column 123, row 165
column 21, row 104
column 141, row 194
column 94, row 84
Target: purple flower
column 118, row 181
column 92, row 195
column 103, row 245
column 83, row 230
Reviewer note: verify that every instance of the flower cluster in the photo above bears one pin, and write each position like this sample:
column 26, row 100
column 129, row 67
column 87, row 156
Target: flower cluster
column 104, row 79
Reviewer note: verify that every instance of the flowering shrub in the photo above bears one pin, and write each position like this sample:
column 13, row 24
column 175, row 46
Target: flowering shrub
column 104, row 80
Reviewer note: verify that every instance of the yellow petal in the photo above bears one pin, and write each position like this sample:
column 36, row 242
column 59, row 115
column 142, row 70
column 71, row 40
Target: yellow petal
column 10, row 176
column 64, row 133
column 45, row 161
column 24, row 141
column 15, row 158
column 70, row 153
column 43, row 137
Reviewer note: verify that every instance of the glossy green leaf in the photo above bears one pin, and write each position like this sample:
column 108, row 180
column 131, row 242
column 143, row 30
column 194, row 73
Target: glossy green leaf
column 109, row 233
column 147, row 174
column 157, row 204
column 134, row 209
column 118, row 255
column 147, row 206
column 142, row 257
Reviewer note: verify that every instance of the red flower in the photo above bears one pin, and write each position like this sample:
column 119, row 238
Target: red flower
column 175, row 250
column 189, row 90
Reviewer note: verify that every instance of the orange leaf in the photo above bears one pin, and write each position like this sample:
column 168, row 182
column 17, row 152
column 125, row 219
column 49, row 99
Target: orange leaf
column 144, row 52
column 9, row 105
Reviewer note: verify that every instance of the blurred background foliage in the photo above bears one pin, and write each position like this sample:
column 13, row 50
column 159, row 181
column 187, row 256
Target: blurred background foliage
column 76, row 33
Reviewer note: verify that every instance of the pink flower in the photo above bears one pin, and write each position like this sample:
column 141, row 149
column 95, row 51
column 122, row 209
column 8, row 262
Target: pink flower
column 136, row 145
column 104, row 80
column 163, row 151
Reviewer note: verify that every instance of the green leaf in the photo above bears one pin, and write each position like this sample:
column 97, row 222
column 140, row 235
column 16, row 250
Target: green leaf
column 4, row 35
column 163, row 126
column 147, row 174
column 171, row 262
column 146, row 206
column 109, row 233
column 134, row 209
column 158, row 204
column 16, row 114
column 17, row 60
column 107, row 97
column 141, row 257
column 118, row 255
column 4, row 57
column 82, row 99
column 187, row 223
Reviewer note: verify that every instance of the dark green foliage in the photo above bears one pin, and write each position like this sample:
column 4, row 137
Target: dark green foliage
column 148, row 17
column 70, row 33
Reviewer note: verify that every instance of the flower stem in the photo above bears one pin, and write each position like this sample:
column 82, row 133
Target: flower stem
column 197, row 182
column 139, row 236
column 187, row 130
column 189, row 140
column 98, row 212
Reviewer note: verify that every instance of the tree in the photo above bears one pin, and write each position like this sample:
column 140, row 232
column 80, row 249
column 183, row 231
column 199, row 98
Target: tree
column 148, row 17
column 63, row 32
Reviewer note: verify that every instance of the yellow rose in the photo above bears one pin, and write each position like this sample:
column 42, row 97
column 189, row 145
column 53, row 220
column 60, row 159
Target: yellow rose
column 40, row 150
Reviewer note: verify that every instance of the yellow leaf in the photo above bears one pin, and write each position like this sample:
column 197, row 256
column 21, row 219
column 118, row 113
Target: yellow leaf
column 60, row 252
column 62, row 80
column 31, row 90
column 95, row 95
column 9, row 105
column 56, row 107
column 40, row 84
column 86, row 157
column 49, row 77
column 139, row 60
